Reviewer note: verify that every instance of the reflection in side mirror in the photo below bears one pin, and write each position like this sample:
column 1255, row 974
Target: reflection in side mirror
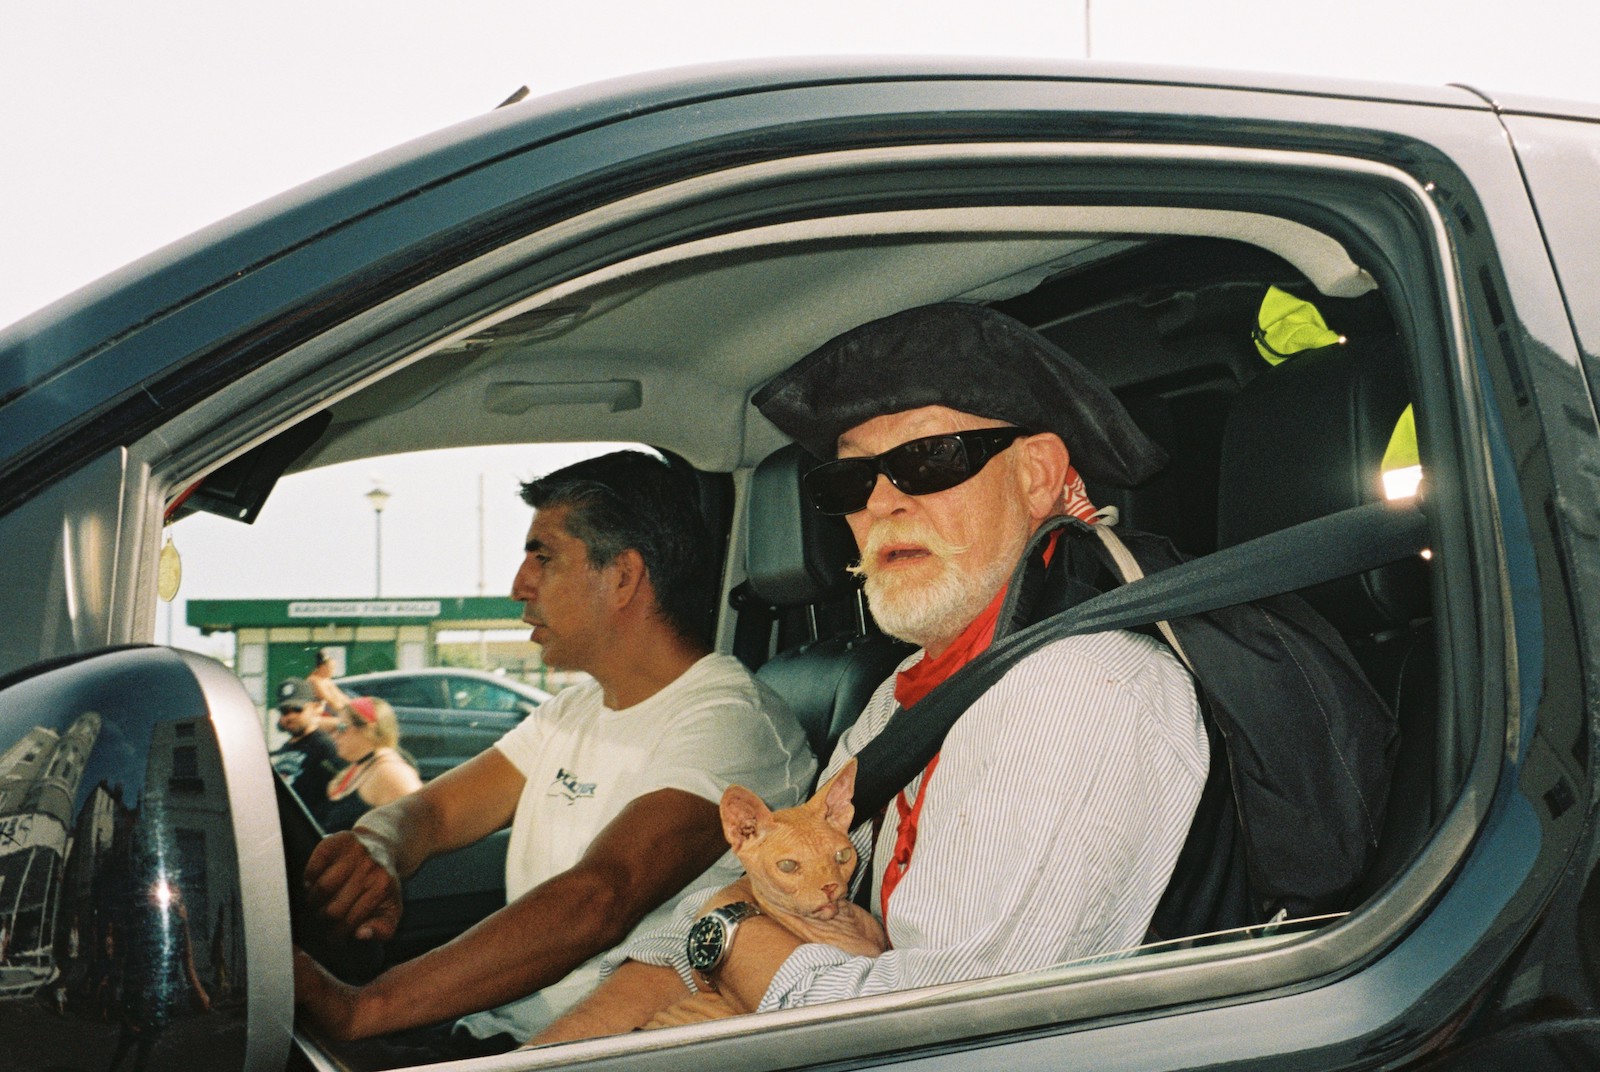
column 127, row 932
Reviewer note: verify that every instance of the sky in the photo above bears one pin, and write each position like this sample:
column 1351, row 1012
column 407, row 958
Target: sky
column 127, row 125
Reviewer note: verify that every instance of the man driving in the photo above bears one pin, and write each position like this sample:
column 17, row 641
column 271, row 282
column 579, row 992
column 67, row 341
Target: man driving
column 610, row 789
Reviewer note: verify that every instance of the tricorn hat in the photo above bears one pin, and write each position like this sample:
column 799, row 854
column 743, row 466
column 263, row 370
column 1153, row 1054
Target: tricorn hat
column 969, row 358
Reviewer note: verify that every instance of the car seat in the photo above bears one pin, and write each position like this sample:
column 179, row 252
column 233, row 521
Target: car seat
column 796, row 559
column 1303, row 440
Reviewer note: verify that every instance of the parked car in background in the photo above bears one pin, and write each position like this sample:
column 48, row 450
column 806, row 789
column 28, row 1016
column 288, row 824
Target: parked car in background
column 629, row 263
column 448, row 715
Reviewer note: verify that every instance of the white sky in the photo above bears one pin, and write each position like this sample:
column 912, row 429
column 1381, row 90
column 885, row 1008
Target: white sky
column 126, row 125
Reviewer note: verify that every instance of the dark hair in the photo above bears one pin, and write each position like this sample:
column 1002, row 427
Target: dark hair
column 631, row 500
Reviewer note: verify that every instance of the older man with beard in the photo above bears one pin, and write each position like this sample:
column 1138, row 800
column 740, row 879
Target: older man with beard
column 1048, row 826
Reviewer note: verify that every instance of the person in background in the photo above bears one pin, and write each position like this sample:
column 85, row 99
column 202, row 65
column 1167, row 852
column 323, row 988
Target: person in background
column 321, row 681
column 367, row 738
column 308, row 760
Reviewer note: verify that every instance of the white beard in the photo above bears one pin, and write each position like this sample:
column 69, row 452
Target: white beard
column 933, row 613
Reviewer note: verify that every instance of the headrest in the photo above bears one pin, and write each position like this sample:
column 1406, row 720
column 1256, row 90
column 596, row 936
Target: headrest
column 1306, row 439
column 794, row 555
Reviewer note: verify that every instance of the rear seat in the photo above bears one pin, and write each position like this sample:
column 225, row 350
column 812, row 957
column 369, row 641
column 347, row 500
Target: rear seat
column 796, row 558
column 1306, row 439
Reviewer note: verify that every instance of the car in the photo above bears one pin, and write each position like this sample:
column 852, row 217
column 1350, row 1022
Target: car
column 629, row 262
column 448, row 715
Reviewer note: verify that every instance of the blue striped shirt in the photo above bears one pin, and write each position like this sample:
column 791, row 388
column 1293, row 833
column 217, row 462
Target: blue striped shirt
column 1050, row 830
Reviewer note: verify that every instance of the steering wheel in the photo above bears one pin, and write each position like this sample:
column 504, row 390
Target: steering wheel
column 350, row 960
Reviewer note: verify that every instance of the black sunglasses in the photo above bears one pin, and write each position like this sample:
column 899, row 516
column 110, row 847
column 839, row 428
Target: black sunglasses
column 920, row 467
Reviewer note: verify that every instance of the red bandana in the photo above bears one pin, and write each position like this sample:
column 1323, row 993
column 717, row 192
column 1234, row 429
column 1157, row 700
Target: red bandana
column 916, row 681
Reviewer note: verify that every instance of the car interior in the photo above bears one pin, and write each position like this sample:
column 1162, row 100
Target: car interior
column 665, row 346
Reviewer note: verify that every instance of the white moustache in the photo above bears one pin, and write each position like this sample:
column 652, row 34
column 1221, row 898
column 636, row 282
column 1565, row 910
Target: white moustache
column 892, row 532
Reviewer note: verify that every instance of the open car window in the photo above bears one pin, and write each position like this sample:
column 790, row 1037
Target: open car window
column 1177, row 342
column 1170, row 319
column 413, row 581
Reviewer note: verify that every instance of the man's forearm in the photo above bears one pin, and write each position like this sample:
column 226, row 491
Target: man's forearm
column 526, row 946
column 553, row 928
column 455, row 809
column 400, row 835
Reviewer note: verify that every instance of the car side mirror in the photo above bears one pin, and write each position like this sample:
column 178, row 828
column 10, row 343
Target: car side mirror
column 142, row 892
column 526, row 708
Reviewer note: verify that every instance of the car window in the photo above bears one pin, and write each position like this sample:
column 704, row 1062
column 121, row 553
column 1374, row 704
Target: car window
column 403, row 692
column 393, row 564
column 467, row 694
column 1175, row 342
column 1214, row 370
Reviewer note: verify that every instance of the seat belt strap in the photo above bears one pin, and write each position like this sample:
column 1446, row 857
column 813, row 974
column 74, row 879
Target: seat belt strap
column 1131, row 571
column 1313, row 552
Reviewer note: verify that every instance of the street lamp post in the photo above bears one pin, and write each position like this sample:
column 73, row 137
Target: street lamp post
column 379, row 498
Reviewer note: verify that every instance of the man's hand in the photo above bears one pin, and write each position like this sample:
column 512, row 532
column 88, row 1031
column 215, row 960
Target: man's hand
column 854, row 930
column 350, row 880
column 329, row 1004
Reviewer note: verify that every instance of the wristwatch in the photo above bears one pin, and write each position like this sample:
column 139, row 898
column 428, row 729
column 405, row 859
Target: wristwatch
column 712, row 936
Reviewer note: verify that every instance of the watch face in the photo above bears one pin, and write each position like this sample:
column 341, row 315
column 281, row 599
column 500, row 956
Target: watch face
column 706, row 942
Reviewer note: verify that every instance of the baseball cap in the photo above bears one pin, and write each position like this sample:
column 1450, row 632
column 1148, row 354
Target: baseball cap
column 295, row 692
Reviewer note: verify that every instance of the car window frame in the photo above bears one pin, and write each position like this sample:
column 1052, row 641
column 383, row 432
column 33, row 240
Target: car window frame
column 1236, row 973
column 1338, row 944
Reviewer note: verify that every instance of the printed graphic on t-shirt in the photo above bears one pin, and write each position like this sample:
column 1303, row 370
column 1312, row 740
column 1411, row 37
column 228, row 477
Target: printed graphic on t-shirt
column 567, row 786
column 288, row 764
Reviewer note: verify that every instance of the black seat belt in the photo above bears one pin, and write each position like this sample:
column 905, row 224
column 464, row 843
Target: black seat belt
column 1310, row 553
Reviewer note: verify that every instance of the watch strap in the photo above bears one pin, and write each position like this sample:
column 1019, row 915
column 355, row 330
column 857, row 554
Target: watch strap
column 738, row 912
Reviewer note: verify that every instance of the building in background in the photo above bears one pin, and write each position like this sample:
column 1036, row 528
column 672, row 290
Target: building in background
column 39, row 777
column 279, row 638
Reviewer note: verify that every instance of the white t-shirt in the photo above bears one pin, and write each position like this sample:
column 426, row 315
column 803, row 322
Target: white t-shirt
column 714, row 726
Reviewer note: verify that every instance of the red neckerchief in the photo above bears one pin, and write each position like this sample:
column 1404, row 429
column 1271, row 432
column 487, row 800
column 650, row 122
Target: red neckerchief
column 911, row 685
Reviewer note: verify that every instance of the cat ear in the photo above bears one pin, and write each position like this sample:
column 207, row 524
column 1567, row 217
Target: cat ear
column 744, row 815
column 837, row 808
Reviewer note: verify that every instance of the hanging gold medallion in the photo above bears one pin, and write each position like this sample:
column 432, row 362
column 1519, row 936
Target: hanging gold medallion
column 169, row 574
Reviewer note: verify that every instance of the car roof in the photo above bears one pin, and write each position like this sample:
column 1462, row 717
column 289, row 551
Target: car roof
column 95, row 315
column 121, row 342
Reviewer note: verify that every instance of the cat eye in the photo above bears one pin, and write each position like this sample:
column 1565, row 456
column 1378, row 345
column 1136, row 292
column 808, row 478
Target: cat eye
column 842, row 856
column 788, row 867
